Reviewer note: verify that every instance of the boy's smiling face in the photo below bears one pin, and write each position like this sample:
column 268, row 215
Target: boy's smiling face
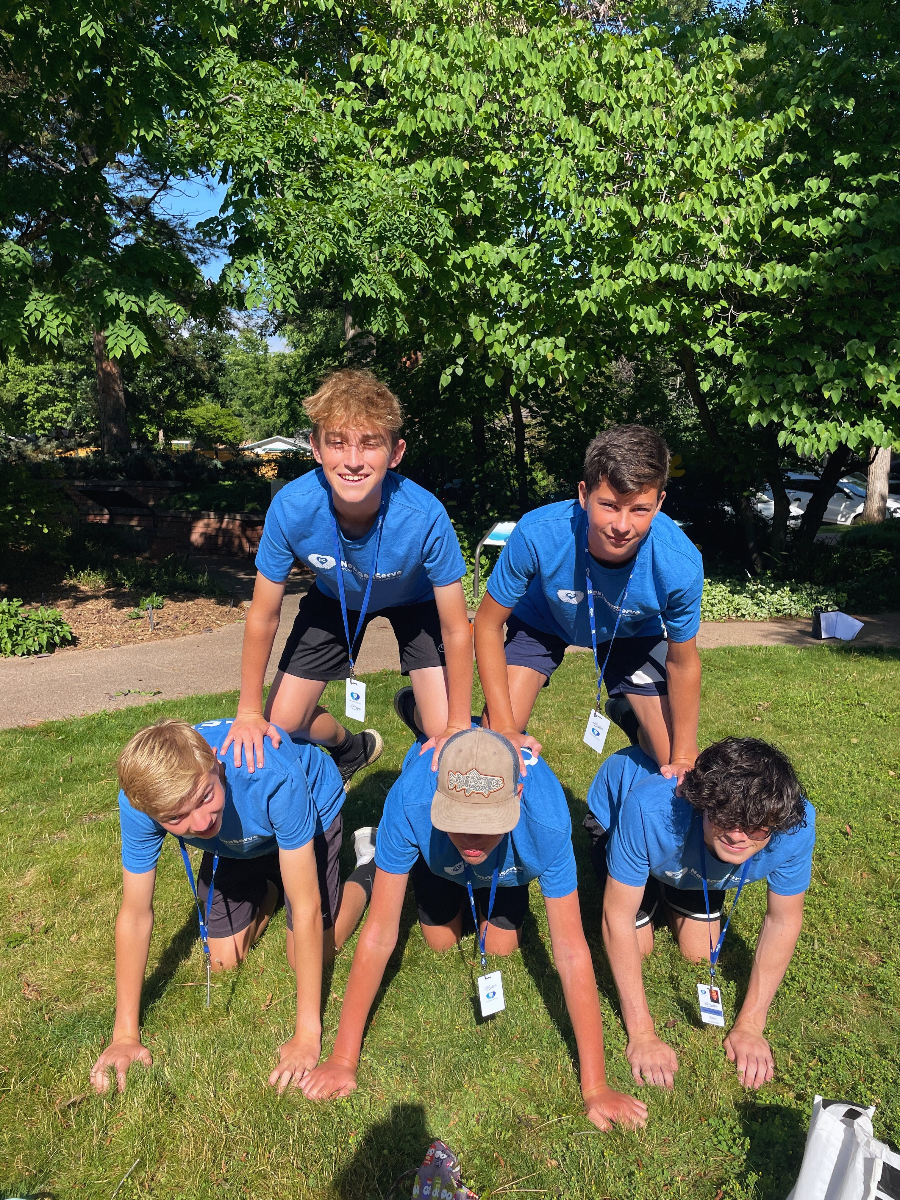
column 617, row 521
column 355, row 461
column 201, row 814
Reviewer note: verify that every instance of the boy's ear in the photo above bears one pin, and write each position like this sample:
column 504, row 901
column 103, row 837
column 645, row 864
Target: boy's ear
column 396, row 454
column 314, row 446
column 582, row 494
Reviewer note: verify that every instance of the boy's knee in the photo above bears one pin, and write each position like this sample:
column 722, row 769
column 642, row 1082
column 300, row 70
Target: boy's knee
column 439, row 938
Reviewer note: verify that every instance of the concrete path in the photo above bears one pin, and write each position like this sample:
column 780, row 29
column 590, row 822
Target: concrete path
column 74, row 682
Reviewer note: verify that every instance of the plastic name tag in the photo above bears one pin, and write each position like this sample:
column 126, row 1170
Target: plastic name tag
column 355, row 703
column 490, row 993
column 711, row 1011
column 597, row 729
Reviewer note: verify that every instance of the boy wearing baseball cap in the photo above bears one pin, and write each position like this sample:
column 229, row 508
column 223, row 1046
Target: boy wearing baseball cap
column 377, row 543
column 472, row 834
column 610, row 571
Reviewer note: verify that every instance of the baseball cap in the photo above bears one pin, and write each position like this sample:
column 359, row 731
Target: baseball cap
column 478, row 773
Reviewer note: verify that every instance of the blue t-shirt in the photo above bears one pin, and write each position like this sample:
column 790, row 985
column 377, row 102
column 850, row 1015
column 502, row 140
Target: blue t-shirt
column 297, row 794
column 617, row 776
column 541, row 576
column 419, row 548
column 540, row 846
column 658, row 834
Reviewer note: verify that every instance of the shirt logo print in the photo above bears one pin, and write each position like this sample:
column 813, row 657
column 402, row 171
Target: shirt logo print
column 570, row 597
column 323, row 561
column 473, row 782
column 455, row 869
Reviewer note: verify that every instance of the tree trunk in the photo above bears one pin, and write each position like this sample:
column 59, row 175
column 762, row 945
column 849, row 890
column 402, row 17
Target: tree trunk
column 114, row 437
column 479, row 440
column 818, row 501
column 359, row 343
column 781, row 512
column 519, row 461
column 740, row 503
column 875, row 507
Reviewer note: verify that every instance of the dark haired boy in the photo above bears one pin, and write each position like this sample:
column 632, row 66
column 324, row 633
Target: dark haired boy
column 470, row 835
column 739, row 816
column 608, row 571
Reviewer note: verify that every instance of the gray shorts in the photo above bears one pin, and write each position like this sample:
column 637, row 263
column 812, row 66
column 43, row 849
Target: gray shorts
column 242, row 884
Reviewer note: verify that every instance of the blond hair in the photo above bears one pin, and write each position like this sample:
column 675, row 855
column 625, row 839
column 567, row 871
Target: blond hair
column 351, row 399
column 162, row 765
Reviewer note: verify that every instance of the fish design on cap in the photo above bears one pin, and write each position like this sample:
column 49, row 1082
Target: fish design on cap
column 474, row 782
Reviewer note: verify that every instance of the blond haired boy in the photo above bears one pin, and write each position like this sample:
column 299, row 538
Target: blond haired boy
column 277, row 829
column 378, row 544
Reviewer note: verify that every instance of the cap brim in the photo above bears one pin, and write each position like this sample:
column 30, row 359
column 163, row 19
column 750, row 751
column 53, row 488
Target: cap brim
column 456, row 816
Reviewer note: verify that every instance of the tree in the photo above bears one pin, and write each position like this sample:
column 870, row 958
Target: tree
column 213, row 425
column 39, row 398
column 92, row 132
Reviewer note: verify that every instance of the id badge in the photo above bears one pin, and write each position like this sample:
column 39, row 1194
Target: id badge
column 711, row 1011
column 597, row 729
column 490, row 993
column 355, row 703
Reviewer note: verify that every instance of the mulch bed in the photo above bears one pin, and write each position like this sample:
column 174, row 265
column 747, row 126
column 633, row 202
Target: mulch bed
column 101, row 618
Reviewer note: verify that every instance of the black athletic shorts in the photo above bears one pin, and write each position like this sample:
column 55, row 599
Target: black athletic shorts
column 659, row 897
column 316, row 647
column 636, row 667
column 440, row 900
column 242, row 884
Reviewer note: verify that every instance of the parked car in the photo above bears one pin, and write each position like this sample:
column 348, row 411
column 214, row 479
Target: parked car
column 845, row 505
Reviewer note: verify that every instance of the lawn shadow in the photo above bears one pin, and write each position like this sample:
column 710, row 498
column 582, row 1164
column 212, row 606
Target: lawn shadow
column 388, row 1150
column 777, row 1136
column 364, row 806
column 541, row 968
column 178, row 950
column 737, row 960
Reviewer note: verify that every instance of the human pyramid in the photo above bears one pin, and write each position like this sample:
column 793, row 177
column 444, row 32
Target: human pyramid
column 476, row 812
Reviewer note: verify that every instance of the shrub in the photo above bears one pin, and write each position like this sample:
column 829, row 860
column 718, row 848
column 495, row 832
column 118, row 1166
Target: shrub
column 172, row 574
column 764, row 599
column 34, row 514
column 226, row 495
column 31, row 631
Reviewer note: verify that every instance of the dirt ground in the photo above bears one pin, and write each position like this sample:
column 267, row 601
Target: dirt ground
column 102, row 619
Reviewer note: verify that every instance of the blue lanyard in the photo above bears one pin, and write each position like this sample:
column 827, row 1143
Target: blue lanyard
column 482, row 937
column 590, row 599
column 714, row 953
column 339, row 557
column 204, row 921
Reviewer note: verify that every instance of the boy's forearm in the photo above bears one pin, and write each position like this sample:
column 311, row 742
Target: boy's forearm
column 684, row 705
column 579, row 986
column 366, row 974
column 259, row 637
column 133, row 932
column 460, row 669
column 623, row 952
column 494, row 674
column 774, row 950
column 308, row 938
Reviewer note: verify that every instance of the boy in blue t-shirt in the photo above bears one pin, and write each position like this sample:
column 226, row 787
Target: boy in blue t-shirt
column 262, row 833
column 738, row 816
column 475, row 822
column 614, row 551
column 378, row 544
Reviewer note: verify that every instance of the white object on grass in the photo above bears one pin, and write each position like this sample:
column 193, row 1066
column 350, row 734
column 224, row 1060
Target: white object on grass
column 842, row 1159
column 364, row 844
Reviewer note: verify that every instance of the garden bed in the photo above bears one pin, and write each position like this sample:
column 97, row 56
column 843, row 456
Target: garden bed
column 102, row 619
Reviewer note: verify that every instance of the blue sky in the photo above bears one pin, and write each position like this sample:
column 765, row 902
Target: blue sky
column 197, row 199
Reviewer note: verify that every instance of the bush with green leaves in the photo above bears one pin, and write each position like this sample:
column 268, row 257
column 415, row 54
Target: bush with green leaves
column 764, row 599
column 96, row 567
column 31, row 630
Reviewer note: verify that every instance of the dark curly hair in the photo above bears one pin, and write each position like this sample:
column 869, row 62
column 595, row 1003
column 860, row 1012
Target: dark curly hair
column 744, row 783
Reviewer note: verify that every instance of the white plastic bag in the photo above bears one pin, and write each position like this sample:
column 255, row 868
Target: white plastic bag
column 842, row 1159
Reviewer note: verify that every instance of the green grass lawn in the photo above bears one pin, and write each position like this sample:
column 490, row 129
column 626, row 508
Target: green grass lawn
column 504, row 1094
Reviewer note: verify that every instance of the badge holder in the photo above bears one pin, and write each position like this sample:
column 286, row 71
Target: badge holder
column 712, row 1011
column 355, row 700
column 355, row 695
column 598, row 725
column 204, row 935
column 490, row 985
